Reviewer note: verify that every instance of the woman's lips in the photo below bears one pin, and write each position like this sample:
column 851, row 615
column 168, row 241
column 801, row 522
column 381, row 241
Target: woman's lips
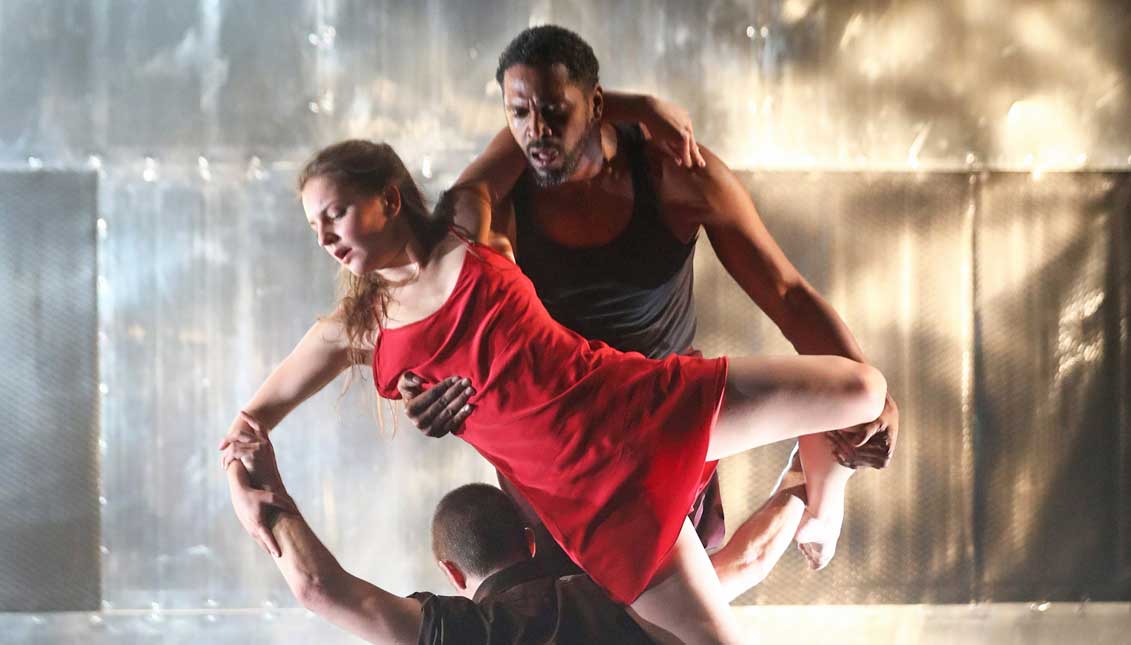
column 342, row 254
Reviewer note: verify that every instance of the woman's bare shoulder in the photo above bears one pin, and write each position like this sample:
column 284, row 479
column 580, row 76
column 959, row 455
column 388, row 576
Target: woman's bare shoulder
column 331, row 330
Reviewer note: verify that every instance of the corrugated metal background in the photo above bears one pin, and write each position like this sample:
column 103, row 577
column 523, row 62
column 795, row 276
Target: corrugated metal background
column 988, row 282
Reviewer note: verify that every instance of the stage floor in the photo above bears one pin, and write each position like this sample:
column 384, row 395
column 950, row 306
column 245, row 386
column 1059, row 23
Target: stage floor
column 977, row 624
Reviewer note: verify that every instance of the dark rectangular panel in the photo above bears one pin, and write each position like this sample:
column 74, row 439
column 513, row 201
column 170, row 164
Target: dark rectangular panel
column 1052, row 492
column 49, row 557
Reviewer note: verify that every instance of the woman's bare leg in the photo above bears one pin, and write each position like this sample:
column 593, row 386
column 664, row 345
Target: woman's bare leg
column 773, row 398
column 767, row 399
column 685, row 603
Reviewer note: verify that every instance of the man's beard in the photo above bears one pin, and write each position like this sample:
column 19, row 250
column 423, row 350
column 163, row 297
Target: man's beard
column 570, row 159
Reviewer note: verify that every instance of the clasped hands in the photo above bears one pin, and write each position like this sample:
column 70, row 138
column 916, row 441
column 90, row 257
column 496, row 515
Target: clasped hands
column 254, row 485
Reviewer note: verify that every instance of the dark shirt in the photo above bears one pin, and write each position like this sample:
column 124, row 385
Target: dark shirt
column 634, row 292
column 520, row 604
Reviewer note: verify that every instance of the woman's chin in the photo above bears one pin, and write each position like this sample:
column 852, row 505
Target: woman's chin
column 354, row 267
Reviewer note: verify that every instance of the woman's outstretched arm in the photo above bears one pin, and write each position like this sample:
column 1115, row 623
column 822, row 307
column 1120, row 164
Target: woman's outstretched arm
column 319, row 357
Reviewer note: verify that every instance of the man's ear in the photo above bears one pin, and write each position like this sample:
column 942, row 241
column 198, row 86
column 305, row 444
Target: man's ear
column 531, row 543
column 454, row 574
column 392, row 197
column 598, row 102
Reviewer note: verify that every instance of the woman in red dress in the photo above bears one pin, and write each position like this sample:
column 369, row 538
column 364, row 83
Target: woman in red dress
column 609, row 448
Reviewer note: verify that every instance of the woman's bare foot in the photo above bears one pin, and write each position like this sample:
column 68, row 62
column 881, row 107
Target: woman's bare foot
column 825, row 484
column 817, row 537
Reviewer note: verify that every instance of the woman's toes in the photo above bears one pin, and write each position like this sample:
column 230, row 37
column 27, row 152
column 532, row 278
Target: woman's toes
column 817, row 541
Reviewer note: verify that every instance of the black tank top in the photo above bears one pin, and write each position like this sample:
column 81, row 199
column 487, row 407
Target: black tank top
column 634, row 292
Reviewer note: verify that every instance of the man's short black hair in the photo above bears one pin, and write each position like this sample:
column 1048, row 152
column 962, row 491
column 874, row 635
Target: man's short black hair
column 549, row 44
column 479, row 528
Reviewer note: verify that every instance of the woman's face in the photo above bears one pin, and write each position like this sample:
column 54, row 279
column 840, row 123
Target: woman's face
column 361, row 232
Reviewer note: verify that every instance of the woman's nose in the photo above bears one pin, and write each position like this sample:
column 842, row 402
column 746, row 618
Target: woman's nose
column 326, row 235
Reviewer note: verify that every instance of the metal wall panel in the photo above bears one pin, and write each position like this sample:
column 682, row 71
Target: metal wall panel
column 48, row 393
column 47, row 81
column 859, row 84
column 891, row 252
column 1051, row 275
column 197, row 114
column 996, row 305
column 201, row 300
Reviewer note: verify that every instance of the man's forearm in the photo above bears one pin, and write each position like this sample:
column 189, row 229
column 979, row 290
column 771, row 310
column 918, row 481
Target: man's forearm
column 321, row 585
column 325, row 588
column 812, row 326
column 759, row 543
column 305, row 562
column 311, row 571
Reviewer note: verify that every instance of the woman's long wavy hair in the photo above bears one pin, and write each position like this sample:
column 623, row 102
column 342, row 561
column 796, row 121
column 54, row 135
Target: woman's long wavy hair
column 369, row 169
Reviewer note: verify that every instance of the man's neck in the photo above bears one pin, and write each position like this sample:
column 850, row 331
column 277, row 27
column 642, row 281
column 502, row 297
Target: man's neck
column 599, row 150
column 473, row 584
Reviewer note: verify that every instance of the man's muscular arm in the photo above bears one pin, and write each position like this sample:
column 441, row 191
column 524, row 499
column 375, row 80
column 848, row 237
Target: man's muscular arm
column 713, row 197
column 314, row 576
column 479, row 201
column 759, row 542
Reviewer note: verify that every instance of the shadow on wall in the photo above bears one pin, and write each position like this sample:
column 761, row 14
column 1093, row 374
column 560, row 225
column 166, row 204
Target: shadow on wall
column 1011, row 490
column 1050, row 506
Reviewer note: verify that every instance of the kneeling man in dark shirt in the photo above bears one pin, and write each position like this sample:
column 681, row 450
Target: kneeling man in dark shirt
column 484, row 548
column 482, row 545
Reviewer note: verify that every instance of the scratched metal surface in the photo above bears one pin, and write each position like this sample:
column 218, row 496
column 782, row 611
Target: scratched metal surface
column 195, row 115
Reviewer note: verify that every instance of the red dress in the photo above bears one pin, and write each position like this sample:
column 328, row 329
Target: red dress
column 608, row 447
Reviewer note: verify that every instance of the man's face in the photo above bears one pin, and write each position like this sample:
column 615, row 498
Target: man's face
column 550, row 117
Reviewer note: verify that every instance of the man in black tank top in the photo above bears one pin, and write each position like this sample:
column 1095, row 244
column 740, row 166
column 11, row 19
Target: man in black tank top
column 604, row 221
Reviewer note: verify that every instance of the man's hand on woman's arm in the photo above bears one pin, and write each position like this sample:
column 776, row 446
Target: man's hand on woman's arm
column 668, row 124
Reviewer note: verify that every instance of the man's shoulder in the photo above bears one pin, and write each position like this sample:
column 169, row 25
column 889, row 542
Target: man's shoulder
column 673, row 184
column 571, row 609
column 450, row 620
column 587, row 611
